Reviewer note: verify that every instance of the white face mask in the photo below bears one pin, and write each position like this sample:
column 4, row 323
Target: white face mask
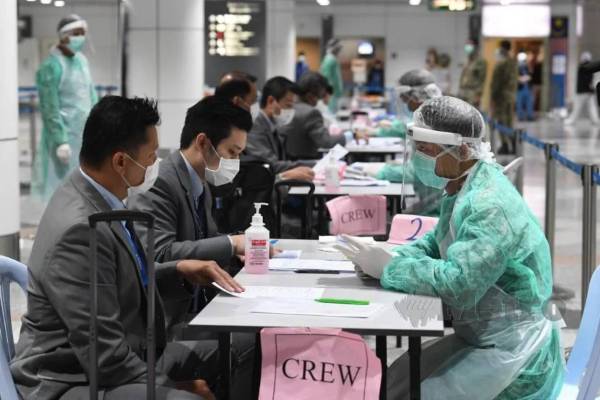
column 254, row 110
column 149, row 178
column 225, row 172
column 285, row 117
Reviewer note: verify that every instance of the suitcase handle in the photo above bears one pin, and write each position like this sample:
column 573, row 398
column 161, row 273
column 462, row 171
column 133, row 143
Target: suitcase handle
column 130, row 216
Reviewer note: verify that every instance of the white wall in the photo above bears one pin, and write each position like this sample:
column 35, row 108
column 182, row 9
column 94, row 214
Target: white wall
column 408, row 32
column 103, row 50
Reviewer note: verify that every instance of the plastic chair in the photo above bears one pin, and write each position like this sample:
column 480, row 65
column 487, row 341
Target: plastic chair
column 10, row 271
column 582, row 377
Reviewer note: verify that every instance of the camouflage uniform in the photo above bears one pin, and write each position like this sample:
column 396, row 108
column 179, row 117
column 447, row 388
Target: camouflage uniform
column 503, row 95
column 472, row 80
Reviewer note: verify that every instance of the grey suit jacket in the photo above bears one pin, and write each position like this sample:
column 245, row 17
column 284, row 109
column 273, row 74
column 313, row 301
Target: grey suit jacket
column 307, row 133
column 263, row 146
column 178, row 233
column 52, row 352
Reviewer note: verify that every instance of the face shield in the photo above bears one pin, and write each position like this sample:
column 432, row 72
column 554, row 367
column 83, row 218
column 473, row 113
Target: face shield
column 434, row 156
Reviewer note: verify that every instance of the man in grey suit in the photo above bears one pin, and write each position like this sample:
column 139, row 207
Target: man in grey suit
column 212, row 139
column 276, row 111
column 306, row 133
column 52, row 356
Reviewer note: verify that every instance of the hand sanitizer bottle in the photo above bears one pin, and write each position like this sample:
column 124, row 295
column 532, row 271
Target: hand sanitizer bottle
column 332, row 175
column 257, row 244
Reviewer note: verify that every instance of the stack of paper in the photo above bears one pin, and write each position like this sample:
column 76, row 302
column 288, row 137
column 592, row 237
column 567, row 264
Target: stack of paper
column 279, row 292
column 280, row 264
column 340, row 239
column 367, row 182
column 308, row 307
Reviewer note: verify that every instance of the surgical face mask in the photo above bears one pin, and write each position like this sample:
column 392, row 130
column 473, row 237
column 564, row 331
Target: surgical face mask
column 499, row 55
column 285, row 117
column 76, row 43
column 425, row 170
column 301, row 58
column 225, row 172
column 254, row 110
column 469, row 49
column 149, row 178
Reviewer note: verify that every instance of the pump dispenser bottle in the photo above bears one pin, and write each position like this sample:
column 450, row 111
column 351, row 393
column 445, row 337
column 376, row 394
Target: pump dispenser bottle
column 257, row 244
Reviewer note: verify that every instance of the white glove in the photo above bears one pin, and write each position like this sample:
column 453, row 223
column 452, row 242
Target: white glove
column 368, row 259
column 63, row 152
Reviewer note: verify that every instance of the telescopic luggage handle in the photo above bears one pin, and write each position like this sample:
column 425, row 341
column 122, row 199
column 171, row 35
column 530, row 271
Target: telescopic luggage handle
column 130, row 216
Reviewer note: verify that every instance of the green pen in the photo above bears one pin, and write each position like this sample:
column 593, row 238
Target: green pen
column 343, row 301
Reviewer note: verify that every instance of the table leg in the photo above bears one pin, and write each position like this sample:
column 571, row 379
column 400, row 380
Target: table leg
column 414, row 353
column 381, row 352
column 225, row 363
column 257, row 367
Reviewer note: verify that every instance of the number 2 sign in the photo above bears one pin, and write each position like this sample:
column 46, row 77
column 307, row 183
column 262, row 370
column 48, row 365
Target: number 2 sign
column 408, row 228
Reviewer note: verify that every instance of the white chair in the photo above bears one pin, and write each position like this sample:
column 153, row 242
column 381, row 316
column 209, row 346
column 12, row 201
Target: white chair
column 582, row 377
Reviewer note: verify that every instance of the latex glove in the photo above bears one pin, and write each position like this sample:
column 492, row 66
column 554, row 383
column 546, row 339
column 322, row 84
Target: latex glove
column 368, row 259
column 63, row 152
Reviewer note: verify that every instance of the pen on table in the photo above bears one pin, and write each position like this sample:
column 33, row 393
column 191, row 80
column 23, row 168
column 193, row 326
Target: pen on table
column 273, row 241
column 343, row 301
column 315, row 271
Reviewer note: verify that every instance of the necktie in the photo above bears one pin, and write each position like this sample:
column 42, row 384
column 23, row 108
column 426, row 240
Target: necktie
column 139, row 257
column 201, row 215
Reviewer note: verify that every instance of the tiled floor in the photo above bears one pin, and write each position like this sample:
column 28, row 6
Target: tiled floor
column 579, row 143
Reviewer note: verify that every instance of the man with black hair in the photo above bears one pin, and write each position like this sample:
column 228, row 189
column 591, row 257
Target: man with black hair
column 238, row 91
column 212, row 139
column 243, row 76
column 306, row 133
column 503, row 92
column 264, row 144
column 118, row 154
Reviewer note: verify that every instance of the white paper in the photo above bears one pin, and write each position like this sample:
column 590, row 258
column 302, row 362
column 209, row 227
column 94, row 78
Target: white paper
column 338, row 152
column 289, row 254
column 279, row 292
column 374, row 143
column 363, row 183
column 308, row 307
column 340, row 239
column 303, row 264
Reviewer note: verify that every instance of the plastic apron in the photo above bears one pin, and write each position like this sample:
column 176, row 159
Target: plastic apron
column 75, row 93
column 500, row 336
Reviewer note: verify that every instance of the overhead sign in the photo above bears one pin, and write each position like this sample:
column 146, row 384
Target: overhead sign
column 452, row 5
column 235, row 38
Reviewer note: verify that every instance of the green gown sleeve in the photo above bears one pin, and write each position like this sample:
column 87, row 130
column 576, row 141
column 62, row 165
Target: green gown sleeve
column 47, row 81
column 398, row 129
column 475, row 260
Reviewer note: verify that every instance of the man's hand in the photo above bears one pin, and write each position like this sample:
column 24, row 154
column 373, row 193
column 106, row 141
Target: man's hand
column 239, row 244
column 199, row 272
column 199, row 387
column 361, row 134
column 299, row 173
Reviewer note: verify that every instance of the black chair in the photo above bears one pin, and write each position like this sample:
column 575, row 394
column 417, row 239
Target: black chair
column 285, row 185
column 233, row 204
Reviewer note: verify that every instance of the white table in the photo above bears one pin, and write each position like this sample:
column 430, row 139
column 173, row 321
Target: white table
column 392, row 190
column 225, row 314
column 377, row 146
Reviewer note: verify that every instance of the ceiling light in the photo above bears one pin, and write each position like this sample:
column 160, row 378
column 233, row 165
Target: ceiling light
column 45, row 1
column 59, row 3
column 323, row 2
column 505, row 2
column 414, row 2
column 30, row 1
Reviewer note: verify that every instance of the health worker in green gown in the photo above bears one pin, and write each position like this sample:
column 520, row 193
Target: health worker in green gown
column 487, row 259
column 66, row 96
column 416, row 86
column 330, row 69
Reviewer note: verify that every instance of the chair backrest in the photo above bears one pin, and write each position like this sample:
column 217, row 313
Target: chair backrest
column 10, row 271
column 513, row 166
column 358, row 215
column 284, row 186
column 582, row 378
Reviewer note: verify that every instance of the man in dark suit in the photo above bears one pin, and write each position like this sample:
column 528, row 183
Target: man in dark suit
column 276, row 111
column 118, row 155
column 307, row 133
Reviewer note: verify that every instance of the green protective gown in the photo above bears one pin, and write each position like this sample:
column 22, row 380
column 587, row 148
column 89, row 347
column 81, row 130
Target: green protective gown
column 66, row 96
column 489, row 261
column 398, row 129
column 330, row 69
column 429, row 198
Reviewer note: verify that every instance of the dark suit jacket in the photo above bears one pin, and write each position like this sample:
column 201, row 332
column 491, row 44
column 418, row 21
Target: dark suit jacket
column 52, row 352
column 178, row 233
column 307, row 133
column 264, row 146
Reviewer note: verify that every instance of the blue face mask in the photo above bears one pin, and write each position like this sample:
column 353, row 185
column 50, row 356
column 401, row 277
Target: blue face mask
column 76, row 43
column 425, row 170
